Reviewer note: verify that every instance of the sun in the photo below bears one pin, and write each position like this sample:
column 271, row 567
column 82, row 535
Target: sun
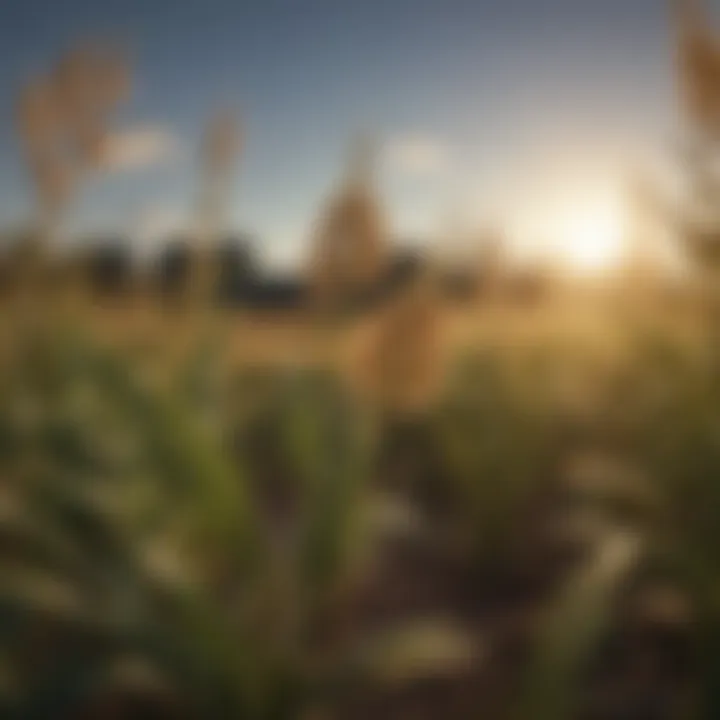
column 590, row 238
column 579, row 230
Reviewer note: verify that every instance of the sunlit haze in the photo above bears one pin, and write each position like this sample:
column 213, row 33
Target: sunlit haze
column 476, row 105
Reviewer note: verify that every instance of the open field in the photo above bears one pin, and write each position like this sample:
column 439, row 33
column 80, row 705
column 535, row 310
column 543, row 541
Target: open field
column 509, row 549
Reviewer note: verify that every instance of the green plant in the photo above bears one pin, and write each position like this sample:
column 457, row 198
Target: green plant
column 495, row 429
column 132, row 533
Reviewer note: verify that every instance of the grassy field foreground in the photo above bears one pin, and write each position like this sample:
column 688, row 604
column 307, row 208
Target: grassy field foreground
column 190, row 532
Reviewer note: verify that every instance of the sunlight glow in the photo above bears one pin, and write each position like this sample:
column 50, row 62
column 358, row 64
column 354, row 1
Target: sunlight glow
column 590, row 238
column 577, row 225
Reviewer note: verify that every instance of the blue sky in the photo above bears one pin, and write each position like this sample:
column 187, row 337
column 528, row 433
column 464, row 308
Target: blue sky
column 483, row 106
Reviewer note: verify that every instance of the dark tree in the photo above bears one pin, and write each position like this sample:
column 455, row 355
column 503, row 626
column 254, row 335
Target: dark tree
column 110, row 267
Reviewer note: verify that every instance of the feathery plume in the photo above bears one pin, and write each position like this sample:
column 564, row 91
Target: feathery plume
column 349, row 247
column 63, row 119
column 698, row 57
column 219, row 150
column 399, row 364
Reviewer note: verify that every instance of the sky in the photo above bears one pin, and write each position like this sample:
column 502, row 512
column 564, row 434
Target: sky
column 489, row 110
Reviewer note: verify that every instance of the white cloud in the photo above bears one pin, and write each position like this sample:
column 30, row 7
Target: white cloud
column 417, row 154
column 140, row 147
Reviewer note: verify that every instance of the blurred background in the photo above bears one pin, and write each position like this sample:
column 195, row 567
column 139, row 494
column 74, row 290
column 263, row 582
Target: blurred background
column 360, row 360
